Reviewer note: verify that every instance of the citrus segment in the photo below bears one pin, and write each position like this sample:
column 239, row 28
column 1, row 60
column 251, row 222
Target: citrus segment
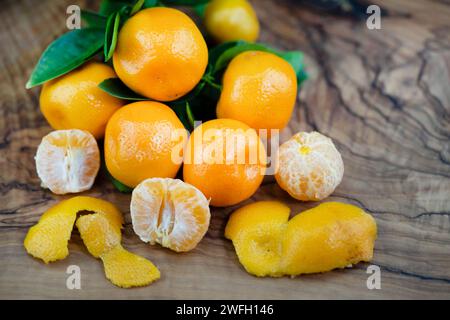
column 169, row 212
column 48, row 239
column 329, row 236
column 123, row 268
column 309, row 166
column 67, row 161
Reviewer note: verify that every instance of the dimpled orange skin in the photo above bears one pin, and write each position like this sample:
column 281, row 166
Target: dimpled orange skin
column 228, row 20
column 74, row 101
column 160, row 54
column 259, row 89
column 224, row 183
column 139, row 142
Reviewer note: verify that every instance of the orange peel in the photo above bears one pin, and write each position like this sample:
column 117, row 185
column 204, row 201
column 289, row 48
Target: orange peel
column 48, row 239
column 329, row 236
column 102, row 238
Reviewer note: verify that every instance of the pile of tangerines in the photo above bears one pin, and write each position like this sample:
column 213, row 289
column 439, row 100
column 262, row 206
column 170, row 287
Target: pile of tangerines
column 160, row 58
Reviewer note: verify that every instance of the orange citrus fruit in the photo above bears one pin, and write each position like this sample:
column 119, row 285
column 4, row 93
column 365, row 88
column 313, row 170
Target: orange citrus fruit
column 169, row 212
column 225, row 159
column 329, row 236
column 74, row 101
column 228, row 20
column 142, row 140
column 67, row 161
column 259, row 89
column 160, row 54
column 309, row 166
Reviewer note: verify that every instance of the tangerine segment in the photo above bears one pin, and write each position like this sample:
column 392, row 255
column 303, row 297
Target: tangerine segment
column 123, row 268
column 48, row 239
column 170, row 212
column 331, row 235
column 309, row 166
column 67, row 161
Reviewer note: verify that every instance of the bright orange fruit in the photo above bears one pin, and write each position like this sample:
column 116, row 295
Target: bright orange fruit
column 225, row 159
column 74, row 100
column 160, row 54
column 144, row 140
column 228, row 20
column 259, row 89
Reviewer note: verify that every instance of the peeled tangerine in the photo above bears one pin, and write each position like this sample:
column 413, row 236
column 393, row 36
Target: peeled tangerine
column 100, row 231
column 170, row 212
column 67, row 161
column 309, row 166
column 329, row 236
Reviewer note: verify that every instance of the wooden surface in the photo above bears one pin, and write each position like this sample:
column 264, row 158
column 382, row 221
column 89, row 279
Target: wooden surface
column 382, row 95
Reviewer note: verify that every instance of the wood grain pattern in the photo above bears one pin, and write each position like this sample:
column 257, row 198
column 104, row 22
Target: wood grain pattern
column 383, row 96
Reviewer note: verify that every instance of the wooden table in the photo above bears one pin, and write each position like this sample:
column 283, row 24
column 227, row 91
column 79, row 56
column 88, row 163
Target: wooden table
column 382, row 95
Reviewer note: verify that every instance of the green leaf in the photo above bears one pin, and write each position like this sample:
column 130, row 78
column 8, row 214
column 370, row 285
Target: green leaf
column 190, row 116
column 66, row 53
column 137, row 6
column 108, row 7
column 150, row 3
column 295, row 58
column 191, row 95
column 116, row 88
column 184, row 2
column 112, row 30
column 119, row 185
column 92, row 19
column 181, row 112
column 216, row 51
column 200, row 10
column 221, row 56
column 229, row 54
